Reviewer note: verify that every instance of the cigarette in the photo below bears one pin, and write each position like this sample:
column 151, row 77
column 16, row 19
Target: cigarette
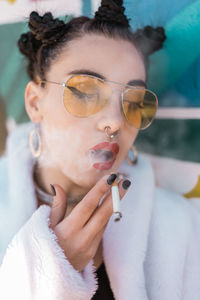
column 116, row 201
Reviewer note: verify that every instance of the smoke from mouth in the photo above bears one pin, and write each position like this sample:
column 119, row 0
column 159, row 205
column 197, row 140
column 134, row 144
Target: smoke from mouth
column 101, row 155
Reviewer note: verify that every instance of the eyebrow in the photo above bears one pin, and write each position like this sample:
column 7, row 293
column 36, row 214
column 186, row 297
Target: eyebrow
column 133, row 82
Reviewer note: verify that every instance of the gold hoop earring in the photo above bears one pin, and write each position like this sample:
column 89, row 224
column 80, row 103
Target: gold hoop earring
column 135, row 155
column 35, row 143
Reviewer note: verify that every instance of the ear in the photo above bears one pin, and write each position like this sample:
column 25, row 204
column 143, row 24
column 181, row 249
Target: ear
column 32, row 102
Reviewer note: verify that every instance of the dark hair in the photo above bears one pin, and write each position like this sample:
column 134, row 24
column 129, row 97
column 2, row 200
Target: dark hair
column 48, row 35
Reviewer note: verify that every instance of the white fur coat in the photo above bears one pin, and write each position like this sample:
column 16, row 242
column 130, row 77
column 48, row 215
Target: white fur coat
column 152, row 253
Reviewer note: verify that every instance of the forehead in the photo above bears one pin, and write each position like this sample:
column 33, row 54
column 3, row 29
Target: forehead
column 116, row 60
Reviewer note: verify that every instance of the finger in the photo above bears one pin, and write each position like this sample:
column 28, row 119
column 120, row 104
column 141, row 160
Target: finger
column 85, row 208
column 123, row 185
column 102, row 215
column 99, row 235
column 59, row 206
column 94, row 244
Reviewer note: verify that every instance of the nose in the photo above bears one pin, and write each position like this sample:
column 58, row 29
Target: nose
column 112, row 115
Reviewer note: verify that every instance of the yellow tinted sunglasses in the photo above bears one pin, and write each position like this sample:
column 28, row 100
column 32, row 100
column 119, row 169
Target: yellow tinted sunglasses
column 85, row 95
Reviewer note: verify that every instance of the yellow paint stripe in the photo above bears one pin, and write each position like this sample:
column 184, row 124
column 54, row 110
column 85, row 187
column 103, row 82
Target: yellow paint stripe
column 195, row 192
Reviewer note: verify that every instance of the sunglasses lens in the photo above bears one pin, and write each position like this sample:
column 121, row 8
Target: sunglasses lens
column 139, row 107
column 85, row 96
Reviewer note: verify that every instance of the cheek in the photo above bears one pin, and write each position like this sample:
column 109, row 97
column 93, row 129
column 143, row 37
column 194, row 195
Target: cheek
column 64, row 149
column 53, row 110
column 129, row 138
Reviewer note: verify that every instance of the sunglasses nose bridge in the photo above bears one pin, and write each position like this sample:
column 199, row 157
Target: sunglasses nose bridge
column 116, row 96
column 116, row 92
column 115, row 87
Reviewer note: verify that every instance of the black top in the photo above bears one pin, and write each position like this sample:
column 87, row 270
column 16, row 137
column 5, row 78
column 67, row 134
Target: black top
column 104, row 291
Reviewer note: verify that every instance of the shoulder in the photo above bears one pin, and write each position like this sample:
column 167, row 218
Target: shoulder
column 14, row 158
column 18, row 134
column 174, row 213
column 3, row 177
column 3, row 163
column 166, row 200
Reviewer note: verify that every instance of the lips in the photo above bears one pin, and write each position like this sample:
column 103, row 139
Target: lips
column 114, row 148
column 105, row 165
column 108, row 146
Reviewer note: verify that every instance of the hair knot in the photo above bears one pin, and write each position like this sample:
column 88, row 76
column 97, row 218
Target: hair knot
column 150, row 39
column 45, row 28
column 112, row 11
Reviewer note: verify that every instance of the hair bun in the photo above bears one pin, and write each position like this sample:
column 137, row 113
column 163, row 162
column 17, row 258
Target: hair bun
column 112, row 11
column 150, row 39
column 45, row 28
column 28, row 45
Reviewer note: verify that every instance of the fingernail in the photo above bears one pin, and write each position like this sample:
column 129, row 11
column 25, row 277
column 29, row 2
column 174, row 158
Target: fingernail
column 111, row 178
column 126, row 184
column 53, row 189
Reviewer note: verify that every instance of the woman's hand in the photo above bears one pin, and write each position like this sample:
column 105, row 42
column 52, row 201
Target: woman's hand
column 80, row 233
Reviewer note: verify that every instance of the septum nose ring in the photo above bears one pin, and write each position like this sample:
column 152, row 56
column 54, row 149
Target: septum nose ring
column 111, row 136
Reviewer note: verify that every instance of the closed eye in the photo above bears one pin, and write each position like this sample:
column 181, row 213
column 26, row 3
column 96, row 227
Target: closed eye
column 136, row 104
column 141, row 105
column 80, row 94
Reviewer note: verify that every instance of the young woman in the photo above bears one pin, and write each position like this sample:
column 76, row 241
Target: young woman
column 87, row 100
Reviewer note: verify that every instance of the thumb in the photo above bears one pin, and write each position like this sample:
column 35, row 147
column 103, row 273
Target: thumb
column 59, row 206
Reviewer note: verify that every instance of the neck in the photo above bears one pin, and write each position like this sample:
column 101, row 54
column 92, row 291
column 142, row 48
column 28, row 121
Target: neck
column 43, row 177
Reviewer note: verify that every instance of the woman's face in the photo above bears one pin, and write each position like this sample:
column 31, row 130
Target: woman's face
column 67, row 139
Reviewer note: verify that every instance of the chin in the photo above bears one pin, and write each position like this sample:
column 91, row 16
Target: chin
column 89, row 180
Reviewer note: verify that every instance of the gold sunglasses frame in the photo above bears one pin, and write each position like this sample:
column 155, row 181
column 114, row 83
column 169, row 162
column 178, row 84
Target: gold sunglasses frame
column 64, row 84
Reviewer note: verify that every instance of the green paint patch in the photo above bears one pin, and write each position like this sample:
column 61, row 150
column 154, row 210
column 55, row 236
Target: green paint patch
column 179, row 139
